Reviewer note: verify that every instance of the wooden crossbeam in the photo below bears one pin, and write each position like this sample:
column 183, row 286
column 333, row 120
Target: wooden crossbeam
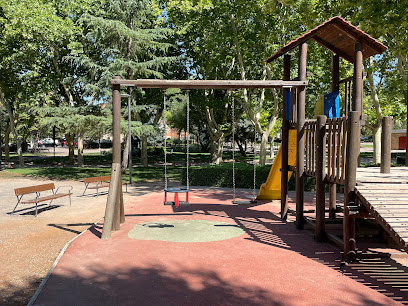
column 206, row 84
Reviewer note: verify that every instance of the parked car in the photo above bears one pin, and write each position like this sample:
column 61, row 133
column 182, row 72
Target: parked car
column 48, row 142
column 13, row 147
column 65, row 144
column 366, row 138
column 106, row 143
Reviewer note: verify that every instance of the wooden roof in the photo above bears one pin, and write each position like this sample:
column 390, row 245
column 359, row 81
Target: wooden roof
column 339, row 36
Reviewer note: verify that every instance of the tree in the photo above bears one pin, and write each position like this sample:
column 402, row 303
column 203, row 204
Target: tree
column 125, row 39
column 231, row 39
column 78, row 121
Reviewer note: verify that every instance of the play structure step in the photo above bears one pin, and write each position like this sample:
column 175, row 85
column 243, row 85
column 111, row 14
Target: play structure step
column 394, row 221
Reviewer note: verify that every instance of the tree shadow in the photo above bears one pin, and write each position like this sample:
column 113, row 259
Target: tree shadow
column 383, row 275
column 67, row 227
column 14, row 295
column 157, row 286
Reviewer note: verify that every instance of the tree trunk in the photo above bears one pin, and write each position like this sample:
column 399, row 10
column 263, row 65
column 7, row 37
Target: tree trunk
column 80, row 151
column 377, row 145
column 241, row 148
column 125, row 158
column 6, row 143
column 13, row 130
column 262, row 150
column 220, row 149
column 71, row 155
column 143, row 157
column 213, row 150
column 271, row 153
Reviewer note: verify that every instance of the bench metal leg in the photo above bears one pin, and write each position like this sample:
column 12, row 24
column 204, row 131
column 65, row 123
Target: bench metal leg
column 18, row 202
column 86, row 187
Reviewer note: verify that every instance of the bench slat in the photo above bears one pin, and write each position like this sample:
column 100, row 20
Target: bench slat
column 97, row 179
column 32, row 189
column 46, row 198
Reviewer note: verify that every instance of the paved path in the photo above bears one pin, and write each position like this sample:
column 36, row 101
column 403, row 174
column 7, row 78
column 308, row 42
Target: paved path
column 271, row 263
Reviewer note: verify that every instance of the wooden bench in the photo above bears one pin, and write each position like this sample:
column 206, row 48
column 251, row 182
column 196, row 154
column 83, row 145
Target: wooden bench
column 20, row 192
column 98, row 182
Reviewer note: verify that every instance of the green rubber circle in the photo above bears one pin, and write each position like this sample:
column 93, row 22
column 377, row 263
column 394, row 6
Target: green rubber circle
column 185, row 231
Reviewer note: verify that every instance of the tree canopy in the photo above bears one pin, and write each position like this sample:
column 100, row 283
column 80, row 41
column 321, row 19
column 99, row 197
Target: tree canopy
column 63, row 54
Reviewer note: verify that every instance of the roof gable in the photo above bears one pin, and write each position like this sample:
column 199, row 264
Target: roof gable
column 339, row 36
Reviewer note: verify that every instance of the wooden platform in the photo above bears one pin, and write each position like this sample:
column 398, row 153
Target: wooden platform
column 398, row 175
column 385, row 196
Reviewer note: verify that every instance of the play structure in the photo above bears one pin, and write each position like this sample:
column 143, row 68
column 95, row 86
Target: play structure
column 326, row 148
column 327, row 105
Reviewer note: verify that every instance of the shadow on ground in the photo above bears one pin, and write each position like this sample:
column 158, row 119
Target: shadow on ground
column 384, row 275
column 155, row 286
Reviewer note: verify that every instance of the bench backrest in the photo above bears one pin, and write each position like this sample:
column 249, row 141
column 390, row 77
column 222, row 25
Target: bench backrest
column 32, row 189
column 97, row 179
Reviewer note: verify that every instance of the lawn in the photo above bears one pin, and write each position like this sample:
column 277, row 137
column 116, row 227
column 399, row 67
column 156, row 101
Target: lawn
column 139, row 174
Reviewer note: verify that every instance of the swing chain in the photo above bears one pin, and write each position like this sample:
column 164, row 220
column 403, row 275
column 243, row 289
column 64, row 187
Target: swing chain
column 233, row 145
column 253, row 190
column 165, row 139
column 188, row 137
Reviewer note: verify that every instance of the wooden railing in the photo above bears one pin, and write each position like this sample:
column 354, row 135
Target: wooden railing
column 334, row 155
column 310, row 148
column 336, row 150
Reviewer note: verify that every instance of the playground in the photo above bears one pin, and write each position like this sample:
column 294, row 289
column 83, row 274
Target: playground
column 344, row 243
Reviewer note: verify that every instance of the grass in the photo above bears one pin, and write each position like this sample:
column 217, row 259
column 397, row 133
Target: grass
column 139, row 174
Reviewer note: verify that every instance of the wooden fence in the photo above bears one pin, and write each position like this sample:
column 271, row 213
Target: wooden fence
column 334, row 146
column 336, row 150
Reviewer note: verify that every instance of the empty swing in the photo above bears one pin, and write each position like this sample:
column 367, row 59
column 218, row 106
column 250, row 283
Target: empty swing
column 234, row 201
column 176, row 190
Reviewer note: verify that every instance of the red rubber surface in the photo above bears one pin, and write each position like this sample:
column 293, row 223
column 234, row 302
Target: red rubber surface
column 272, row 264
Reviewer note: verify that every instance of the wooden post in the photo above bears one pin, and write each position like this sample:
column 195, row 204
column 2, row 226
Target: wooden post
column 336, row 72
column 300, row 158
column 353, row 149
column 358, row 78
column 320, row 177
column 113, row 203
column 285, row 142
column 406, row 135
column 386, row 145
column 335, row 87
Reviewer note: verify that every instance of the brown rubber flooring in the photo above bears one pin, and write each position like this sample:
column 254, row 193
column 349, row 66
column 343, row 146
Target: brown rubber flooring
column 271, row 263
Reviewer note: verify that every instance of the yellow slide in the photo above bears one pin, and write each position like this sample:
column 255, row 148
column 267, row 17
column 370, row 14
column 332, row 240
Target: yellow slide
column 271, row 190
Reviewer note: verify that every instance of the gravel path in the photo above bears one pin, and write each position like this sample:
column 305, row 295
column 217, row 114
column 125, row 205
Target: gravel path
column 29, row 245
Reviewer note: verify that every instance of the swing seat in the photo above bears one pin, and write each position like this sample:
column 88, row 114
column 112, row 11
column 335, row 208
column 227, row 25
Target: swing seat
column 244, row 202
column 176, row 191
